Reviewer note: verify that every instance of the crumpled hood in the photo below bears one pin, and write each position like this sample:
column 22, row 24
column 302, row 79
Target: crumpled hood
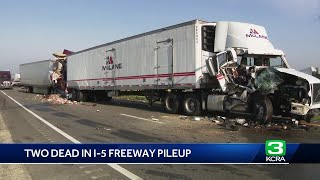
column 309, row 78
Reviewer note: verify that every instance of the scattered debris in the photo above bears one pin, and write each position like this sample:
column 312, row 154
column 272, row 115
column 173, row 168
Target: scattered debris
column 240, row 121
column 196, row 118
column 98, row 110
column 102, row 128
column 183, row 117
column 246, row 125
column 234, row 124
column 218, row 122
column 221, row 117
column 56, row 99
column 294, row 121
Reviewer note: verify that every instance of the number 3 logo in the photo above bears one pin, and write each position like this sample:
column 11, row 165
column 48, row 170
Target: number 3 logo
column 275, row 148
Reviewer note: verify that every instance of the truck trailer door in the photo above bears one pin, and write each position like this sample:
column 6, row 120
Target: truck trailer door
column 111, row 66
column 164, row 62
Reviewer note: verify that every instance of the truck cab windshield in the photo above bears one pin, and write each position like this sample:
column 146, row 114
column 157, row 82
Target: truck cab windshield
column 262, row 60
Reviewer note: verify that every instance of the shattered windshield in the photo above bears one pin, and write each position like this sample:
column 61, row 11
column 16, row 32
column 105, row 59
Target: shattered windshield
column 262, row 60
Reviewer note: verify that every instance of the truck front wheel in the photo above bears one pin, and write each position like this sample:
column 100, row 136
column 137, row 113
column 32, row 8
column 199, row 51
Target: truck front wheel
column 171, row 103
column 262, row 109
column 191, row 105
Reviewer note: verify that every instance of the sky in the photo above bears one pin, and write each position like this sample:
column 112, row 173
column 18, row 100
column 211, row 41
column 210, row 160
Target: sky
column 32, row 30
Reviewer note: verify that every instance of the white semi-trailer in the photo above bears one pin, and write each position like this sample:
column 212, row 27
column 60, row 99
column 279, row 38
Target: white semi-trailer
column 197, row 66
column 35, row 76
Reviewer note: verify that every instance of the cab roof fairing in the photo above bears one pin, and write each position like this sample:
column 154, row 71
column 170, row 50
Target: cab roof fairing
column 252, row 37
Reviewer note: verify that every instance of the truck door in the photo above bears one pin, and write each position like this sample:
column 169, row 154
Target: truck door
column 110, row 62
column 215, row 66
column 164, row 62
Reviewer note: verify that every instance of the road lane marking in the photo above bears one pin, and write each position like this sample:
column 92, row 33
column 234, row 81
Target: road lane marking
column 86, row 166
column 117, row 167
column 92, row 171
column 142, row 118
column 100, row 176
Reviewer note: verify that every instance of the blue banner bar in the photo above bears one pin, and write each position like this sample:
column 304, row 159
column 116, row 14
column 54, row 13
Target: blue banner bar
column 270, row 152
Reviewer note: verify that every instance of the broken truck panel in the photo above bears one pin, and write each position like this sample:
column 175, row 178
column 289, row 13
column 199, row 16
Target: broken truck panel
column 262, row 90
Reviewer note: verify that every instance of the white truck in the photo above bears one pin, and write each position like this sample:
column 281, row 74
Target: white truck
column 35, row 76
column 15, row 80
column 197, row 66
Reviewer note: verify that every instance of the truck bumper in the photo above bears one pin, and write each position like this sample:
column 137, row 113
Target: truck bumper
column 299, row 109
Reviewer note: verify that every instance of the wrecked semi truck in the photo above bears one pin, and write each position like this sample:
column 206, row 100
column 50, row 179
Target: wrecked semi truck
column 194, row 67
column 35, row 76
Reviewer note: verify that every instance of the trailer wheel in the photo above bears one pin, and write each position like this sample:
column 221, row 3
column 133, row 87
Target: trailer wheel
column 107, row 98
column 171, row 103
column 74, row 95
column 263, row 109
column 28, row 89
column 192, row 105
column 82, row 96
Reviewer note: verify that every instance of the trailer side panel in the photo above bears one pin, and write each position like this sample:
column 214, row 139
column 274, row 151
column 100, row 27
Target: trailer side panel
column 160, row 60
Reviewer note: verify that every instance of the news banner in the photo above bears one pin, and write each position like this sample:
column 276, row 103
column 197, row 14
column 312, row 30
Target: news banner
column 270, row 152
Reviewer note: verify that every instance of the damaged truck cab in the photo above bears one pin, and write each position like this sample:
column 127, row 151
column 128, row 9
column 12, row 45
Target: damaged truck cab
column 254, row 77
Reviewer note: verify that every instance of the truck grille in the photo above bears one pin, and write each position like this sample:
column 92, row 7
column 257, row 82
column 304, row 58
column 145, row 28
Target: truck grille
column 316, row 93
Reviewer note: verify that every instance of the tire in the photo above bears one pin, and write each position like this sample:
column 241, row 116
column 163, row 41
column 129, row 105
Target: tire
column 74, row 95
column 262, row 109
column 191, row 105
column 82, row 96
column 171, row 103
column 31, row 89
column 107, row 98
column 26, row 89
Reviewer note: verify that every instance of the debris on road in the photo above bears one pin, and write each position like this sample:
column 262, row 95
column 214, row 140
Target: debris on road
column 154, row 119
column 193, row 118
column 240, row 121
column 196, row 118
column 103, row 128
column 234, row 124
column 183, row 117
column 98, row 110
column 56, row 99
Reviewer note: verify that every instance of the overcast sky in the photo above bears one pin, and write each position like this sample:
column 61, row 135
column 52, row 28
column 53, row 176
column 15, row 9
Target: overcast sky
column 32, row 30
